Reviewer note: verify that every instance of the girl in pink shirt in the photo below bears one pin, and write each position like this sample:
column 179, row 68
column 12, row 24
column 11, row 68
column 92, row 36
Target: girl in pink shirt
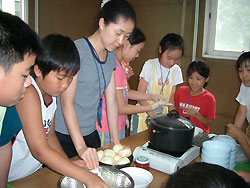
column 125, row 54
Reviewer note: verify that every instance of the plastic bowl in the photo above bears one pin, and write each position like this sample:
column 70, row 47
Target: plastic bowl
column 119, row 166
column 141, row 177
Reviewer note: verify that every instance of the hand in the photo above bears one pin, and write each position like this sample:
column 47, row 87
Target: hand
column 130, row 72
column 112, row 142
column 89, row 156
column 245, row 175
column 192, row 112
column 234, row 131
column 159, row 104
column 95, row 182
column 80, row 163
column 156, row 98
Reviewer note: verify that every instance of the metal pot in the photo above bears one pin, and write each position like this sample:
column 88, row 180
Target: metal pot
column 170, row 133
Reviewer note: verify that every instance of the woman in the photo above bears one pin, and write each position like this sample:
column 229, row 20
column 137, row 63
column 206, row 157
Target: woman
column 81, row 103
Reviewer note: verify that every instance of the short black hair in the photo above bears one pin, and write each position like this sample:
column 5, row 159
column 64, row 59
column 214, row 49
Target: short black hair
column 244, row 57
column 59, row 54
column 16, row 40
column 204, row 175
column 172, row 41
column 136, row 37
column 114, row 9
column 199, row 66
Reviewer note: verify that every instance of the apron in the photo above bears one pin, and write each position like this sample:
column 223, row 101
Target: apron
column 156, row 89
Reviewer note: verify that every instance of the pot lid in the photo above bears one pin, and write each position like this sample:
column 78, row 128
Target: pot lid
column 172, row 122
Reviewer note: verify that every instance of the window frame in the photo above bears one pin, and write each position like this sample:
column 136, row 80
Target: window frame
column 209, row 34
column 24, row 15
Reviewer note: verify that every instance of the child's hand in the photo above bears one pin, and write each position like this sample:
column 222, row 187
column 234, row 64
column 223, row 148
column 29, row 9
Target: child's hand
column 130, row 72
column 192, row 112
column 89, row 156
column 234, row 131
column 159, row 104
column 80, row 163
column 95, row 181
column 156, row 98
column 245, row 175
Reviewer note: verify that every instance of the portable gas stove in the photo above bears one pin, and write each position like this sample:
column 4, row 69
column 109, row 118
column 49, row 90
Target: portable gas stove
column 164, row 162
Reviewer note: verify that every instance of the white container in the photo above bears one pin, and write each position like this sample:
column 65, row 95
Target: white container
column 216, row 152
column 232, row 144
column 141, row 177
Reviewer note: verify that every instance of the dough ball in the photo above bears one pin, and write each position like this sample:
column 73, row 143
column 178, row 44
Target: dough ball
column 125, row 152
column 109, row 152
column 100, row 154
column 117, row 157
column 117, row 148
column 108, row 160
column 123, row 160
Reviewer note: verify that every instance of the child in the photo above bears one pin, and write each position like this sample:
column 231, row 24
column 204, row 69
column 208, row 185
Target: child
column 125, row 54
column 241, row 137
column 205, row 175
column 81, row 103
column 160, row 76
column 53, row 72
column 243, row 113
column 19, row 46
column 194, row 101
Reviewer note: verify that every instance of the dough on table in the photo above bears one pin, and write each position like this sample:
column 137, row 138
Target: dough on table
column 100, row 154
column 117, row 148
column 125, row 152
column 123, row 160
column 108, row 160
column 117, row 157
column 109, row 152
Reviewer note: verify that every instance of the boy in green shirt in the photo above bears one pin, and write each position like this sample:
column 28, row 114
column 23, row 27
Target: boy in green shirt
column 19, row 46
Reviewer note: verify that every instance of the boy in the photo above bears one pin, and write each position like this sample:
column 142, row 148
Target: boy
column 19, row 46
column 52, row 74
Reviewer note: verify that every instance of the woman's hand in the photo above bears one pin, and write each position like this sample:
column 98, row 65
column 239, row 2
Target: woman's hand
column 89, row 156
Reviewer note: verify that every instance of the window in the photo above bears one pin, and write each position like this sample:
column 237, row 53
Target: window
column 15, row 7
column 226, row 28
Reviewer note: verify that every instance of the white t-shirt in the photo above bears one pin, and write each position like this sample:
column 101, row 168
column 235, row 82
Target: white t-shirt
column 244, row 99
column 148, row 72
column 23, row 163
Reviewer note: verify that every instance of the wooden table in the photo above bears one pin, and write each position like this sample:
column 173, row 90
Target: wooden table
column 46, row 178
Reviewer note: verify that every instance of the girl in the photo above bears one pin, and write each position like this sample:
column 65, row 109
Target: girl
column 243, row 113
column 194, row 101
column 53, row 72
column 125, row 54
column 81, row 103
column 160, row 76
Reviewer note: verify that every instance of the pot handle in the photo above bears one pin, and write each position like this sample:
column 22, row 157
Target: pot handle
column 173, row 114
